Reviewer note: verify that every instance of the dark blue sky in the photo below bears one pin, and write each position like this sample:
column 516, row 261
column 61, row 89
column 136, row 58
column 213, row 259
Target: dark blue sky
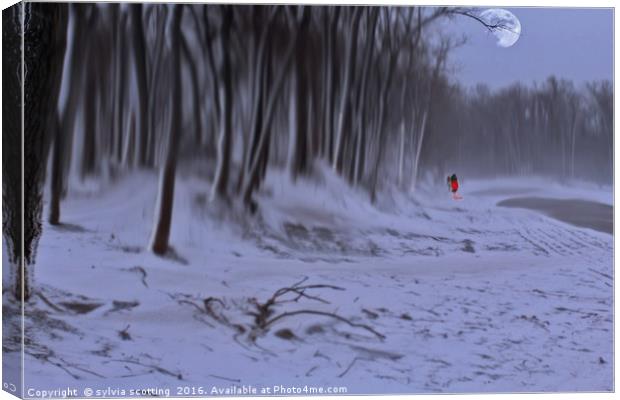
column 571, row 43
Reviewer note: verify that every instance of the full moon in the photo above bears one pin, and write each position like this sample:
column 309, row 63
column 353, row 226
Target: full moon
column 507, row 27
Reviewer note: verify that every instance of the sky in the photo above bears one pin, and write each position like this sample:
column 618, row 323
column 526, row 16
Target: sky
column 571, row 43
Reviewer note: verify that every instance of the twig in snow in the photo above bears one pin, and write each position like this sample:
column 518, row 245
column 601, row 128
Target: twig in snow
column 191, row 303
column 49, row 303
column 124, row 334
column 326, row 314
column 225, row 379
column 154, row 367
column 81, row 368
column 602, row 274
column 264, row 310
column 350, row 366
column 46, row 358
column 142, row 272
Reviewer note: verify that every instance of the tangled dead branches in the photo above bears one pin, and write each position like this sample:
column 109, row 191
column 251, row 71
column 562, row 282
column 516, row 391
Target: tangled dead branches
column 264, row 312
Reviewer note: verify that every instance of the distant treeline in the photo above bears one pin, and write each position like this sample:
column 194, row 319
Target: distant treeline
column 553, row 129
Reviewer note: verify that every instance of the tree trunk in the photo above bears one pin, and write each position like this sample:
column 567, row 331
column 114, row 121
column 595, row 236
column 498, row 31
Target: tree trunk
column 330, row 87
column 120, row 87
column 298, row 131
column 358, row 159
column 163, row 222
column 258, row 94
column 88, row 152
column 224, row 146
column 344, row 96
column 381, row 123
column 155, row 76
column 56, row 175
column 140, row 71
column 401, row 153
column 418, row 152
column 401, row 147
column 196, row 103
column 258, row 163
column 44, row 39
column 64, row 133
column 441, row 57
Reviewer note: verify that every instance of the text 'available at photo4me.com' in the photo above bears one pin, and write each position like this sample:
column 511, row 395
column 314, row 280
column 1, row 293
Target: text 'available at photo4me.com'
column 185, row 391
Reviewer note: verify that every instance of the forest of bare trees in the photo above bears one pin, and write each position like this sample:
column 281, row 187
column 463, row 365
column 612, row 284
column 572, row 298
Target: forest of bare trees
column 249, row 88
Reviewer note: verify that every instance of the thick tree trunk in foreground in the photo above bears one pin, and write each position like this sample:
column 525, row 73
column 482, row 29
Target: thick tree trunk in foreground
column 44, row 39
column 165, row 199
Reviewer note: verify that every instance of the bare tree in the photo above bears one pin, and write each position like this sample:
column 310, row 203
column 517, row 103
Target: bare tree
column 139, row 64
column 68, row 111
column 165, row 199
column 224, row 145
column 345, row 101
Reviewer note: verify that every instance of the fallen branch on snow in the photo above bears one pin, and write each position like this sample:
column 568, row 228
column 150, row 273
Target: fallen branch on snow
column 265, row 310
column 326, row 314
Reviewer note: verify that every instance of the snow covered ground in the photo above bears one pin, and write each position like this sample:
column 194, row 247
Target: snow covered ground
column 423, row 295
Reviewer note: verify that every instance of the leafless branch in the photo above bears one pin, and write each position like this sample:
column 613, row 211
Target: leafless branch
column 490, row 26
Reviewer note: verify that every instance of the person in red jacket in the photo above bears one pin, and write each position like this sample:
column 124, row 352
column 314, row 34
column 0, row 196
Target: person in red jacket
column 453, row 184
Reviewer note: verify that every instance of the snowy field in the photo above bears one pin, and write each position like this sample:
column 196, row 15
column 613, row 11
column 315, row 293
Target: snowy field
column 413, row 295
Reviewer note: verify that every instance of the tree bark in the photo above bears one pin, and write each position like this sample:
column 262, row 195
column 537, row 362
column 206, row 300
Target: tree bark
column 44, row 45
